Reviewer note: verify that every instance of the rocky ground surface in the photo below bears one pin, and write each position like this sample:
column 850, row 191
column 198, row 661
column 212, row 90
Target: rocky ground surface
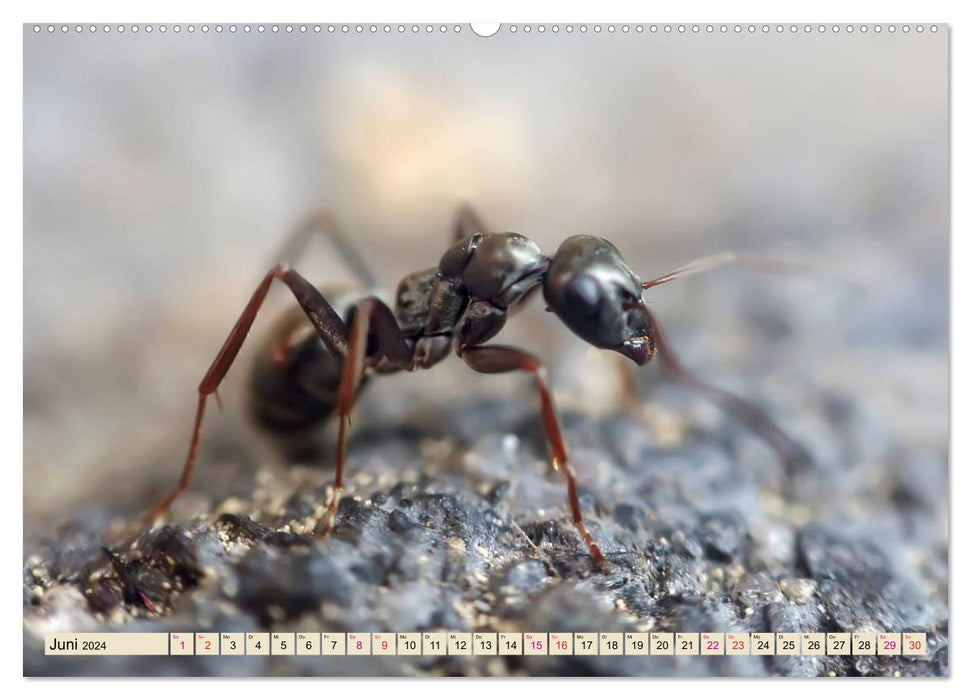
column 453, row 518
column 455, row 521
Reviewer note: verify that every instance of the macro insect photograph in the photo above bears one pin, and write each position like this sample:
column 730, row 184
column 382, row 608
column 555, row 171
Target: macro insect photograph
column 600, row 329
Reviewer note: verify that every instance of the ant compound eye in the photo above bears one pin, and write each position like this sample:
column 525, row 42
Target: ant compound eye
column 584, row 295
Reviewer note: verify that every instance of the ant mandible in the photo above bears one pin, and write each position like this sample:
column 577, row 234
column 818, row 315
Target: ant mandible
column 318, row 356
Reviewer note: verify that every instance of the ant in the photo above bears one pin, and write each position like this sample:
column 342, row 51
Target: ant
column 318, row 356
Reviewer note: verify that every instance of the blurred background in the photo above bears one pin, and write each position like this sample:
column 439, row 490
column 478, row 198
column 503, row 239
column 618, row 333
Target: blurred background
column 161, row 172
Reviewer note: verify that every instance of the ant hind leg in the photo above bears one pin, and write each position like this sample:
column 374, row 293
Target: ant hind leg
column 371, row 318
column 321, row 222
column 328, row 324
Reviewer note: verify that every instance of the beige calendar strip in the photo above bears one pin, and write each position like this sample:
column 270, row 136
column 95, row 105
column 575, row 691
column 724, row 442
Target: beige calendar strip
column 109, row 644
column 487, row 644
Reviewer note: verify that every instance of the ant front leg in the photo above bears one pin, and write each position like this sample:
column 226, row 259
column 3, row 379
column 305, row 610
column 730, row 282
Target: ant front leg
column 329, row 325
column 495, row 359
column 792, row 455
column 370, row 318
column 663, row 430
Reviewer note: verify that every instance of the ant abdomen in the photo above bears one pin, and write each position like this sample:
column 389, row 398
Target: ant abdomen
column 295, row 377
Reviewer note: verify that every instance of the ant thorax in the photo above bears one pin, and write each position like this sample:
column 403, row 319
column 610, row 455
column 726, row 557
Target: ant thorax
column 466, row 298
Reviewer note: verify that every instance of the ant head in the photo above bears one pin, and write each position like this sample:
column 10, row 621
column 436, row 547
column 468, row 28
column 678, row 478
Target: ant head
column 596, row 294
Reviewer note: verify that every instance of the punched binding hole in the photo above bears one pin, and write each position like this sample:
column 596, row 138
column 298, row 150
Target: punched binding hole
column 485, row 29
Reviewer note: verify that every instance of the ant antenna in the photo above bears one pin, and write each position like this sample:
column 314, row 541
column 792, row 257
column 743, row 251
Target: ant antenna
column 712, row 262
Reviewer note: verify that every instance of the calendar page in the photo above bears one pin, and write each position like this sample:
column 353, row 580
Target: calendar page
column 518, row 349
